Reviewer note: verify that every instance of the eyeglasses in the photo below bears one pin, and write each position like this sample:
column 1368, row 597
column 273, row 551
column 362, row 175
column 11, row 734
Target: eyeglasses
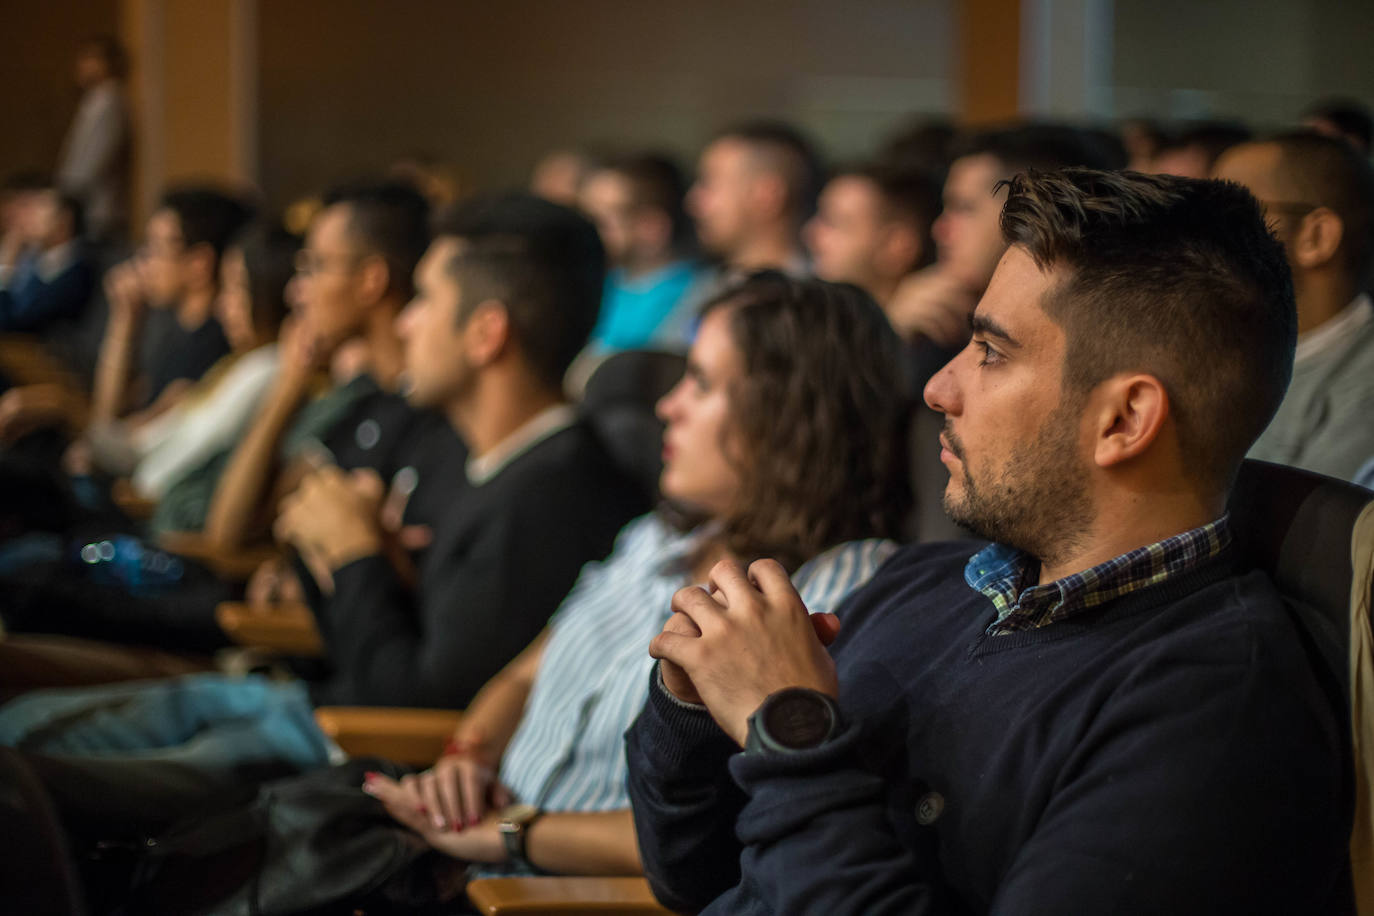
column 312, row 262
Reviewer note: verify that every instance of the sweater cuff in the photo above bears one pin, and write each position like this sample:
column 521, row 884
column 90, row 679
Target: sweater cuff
column 680, row 736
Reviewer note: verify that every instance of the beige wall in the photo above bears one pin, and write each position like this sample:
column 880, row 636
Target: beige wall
column 37, row 93
column 349, row 85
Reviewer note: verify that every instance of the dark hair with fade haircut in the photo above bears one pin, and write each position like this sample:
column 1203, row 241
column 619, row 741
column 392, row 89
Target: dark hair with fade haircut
column 208, row 216
column 389, row 219
column 656, row 182
column 1350, row 117
column 789, row 154
column 821, row 411
column 1328, row 172
column 542, row 261
column 1041, row 146
column 1177, row 277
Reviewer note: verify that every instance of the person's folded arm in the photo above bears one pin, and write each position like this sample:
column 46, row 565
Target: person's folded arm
column 1228, row 803
column 684, row 801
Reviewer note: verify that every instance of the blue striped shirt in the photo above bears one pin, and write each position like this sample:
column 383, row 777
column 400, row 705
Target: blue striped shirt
column 568, row 753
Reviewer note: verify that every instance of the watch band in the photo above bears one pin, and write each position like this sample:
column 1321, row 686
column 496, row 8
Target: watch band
column 515, row 821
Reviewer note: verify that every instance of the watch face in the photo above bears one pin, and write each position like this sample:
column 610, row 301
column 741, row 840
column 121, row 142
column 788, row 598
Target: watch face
column 797, row 719
column 518, row 815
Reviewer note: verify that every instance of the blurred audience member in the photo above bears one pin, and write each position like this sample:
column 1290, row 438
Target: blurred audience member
column 936, row 302
column 923, row 146
column 250, row 306
column 46, row 274
column 1194, row 150
column 756, row 184
column 94, row 161
column 175, row 275
column 1318, row 194
column 1142, row 138
column 637, row 206
column 558, row 175
column 1344, row 118
column 873, row 227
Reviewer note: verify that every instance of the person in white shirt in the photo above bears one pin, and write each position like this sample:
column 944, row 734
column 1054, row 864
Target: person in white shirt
column 93, row 166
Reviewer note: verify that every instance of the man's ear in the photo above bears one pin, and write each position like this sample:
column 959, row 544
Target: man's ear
column 1318, row 238
column 486, row 332
column 374, row 278
column 1128, row 413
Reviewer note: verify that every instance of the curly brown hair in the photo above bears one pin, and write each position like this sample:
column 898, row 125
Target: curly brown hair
column 820, row 413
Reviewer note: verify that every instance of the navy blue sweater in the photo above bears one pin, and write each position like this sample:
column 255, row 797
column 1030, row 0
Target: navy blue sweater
column 1169, row 752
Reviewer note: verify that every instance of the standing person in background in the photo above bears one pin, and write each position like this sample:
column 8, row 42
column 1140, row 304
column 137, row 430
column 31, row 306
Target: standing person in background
column 95, row 155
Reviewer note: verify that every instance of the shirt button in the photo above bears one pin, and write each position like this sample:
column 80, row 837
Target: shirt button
column 368, row 434
column 929, row 808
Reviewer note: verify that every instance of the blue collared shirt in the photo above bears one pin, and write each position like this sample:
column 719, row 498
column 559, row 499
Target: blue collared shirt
column 568, row 753
column 1003, row 573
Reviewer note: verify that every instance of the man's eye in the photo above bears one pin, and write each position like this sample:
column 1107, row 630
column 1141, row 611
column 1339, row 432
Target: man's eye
column 990, row 356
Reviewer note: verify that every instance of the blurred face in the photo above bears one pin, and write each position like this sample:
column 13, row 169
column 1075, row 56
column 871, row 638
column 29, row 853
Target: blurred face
column 1183, row 161
column 700, row 447
column 846, row 232
column 326, row 278
column 1011, row 443
column 607, row 200
column 90, row 68
column 47, row 226
column 968, row 234
column 436, row 367
column 719, row 201
column 163, row 262
column 234, row 303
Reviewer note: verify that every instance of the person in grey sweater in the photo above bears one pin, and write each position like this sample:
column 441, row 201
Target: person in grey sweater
column 1319, row 196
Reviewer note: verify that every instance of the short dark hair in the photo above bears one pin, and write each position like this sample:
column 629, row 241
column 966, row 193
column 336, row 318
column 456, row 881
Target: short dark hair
column 207, row 215
column 269, row 257
column 656, row 182
column 822, row 412
column 542, row 261
column 1329, row 172
column 1348, row 116
column 1041, row 146
column 389, row 219
column 788, row 153
column 1173, row 276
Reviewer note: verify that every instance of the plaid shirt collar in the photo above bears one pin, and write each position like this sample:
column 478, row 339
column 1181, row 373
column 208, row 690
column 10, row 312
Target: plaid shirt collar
column 1001, row 573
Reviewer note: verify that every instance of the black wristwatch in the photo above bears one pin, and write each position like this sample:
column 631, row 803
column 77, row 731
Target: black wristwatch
column 792, row 720
column 515, row 820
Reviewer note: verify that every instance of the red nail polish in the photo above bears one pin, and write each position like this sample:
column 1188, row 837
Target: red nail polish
column 457, row 825
column 371, row 775
column 472, row 820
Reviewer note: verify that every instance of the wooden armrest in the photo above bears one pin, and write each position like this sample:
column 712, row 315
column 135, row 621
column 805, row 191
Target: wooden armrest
column 234, row 565
column 132, row 503
column 415, row 736
column 25, row 362
column 540, row 896
column 288, row 628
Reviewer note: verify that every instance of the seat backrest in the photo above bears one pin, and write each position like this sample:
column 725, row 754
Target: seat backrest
column 619, row 403
column 1297, row 526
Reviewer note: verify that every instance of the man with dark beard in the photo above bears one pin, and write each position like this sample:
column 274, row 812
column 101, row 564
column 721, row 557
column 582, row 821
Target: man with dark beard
column 1099, row 712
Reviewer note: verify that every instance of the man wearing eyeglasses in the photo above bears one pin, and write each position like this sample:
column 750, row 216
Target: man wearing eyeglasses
column 1319, row 196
